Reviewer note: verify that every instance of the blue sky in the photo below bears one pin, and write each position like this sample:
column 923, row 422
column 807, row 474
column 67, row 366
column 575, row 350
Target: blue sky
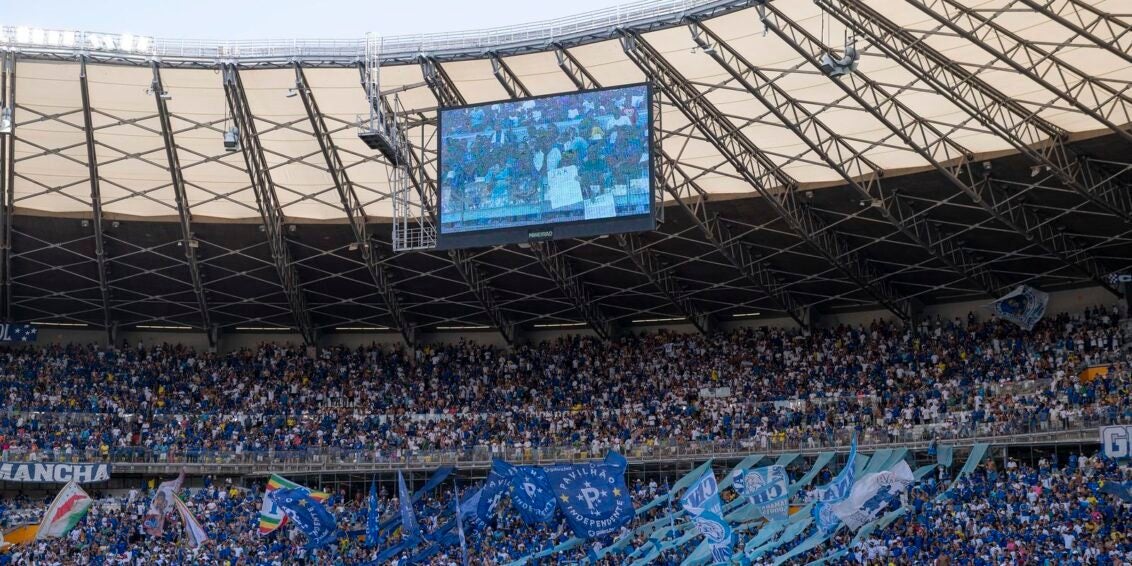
column 262, row 19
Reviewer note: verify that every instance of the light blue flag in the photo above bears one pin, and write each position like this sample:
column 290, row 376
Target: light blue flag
column 834, row 492
column 767, row 489
column 702, row 502
column 460, row 526
column 410, row 530
column 838, row 489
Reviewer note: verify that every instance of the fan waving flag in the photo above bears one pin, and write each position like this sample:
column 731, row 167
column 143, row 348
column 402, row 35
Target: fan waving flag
column 531, row 495
column 494, row 488
column 373, row 518
column 194, row 533
column 270, row 516
column 593, row 496
column 766, row 489
column 308, row 514
column 834, row 492
column 64, row 512
column 161, row 505
column 1023, row 306
column 872, row 494
column 410, row 530
column 702, row 502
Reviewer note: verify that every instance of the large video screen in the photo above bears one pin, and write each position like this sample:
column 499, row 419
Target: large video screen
column 550, row 167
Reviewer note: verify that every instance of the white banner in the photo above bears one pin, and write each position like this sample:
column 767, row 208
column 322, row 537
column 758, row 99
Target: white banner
column 34, row 472
column 1116, row 441
column 872, row 494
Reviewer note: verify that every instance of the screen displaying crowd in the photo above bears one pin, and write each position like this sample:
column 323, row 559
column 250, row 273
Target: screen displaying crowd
column 549, row 160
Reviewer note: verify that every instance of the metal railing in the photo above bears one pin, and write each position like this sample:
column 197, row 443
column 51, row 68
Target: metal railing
column 149, row 460
column 538, row 35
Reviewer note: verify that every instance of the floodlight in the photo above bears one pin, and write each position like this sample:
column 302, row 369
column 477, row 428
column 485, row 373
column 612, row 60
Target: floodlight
column 232, row 139
column 141, row 44
column 126, row 42
column 6, row 121
column 292, row 92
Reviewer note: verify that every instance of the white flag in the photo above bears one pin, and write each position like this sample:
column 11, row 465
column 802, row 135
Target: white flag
column 872, row 494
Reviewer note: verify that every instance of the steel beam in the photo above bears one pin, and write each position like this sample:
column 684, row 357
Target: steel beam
column 642, row 257
column 184, row 214
column 555, row 262
column 557, row 265
column 7, row 181
column 1094, row 96
column 446, row 94
column 355, row 212
column 952, row 160
column 574, row 69
column 438, row 81
column 267, row 200
column 778, row 189
column 858, row 172
column 661, row 277
column 1084, row 20
column 693, row 199
column 96, row 206
column 1042, row 142
column 506, row 77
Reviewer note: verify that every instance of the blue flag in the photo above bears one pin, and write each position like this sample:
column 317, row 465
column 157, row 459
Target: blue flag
column 702, row 502
column 494, row 488
column 1121, row 490
column 531, row 495
column 766, row 489
column 409, row 528
column 1023, row 306
column 593, row 496
column 373, row 518
column 308, row 514
column 18, row 333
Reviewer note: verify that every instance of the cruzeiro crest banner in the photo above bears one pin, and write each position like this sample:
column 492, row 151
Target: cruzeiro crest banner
column 702, row 502
column 593, row 495
column 766, row 489
column 1023, row 306
column 531, row 495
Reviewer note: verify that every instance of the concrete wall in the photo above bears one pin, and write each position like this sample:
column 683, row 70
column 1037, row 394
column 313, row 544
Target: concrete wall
column 1074, row 300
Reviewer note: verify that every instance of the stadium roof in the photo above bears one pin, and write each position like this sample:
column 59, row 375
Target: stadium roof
column 978, row 145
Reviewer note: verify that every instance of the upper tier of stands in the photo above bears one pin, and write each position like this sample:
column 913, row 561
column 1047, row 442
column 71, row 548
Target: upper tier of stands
column 650, row 396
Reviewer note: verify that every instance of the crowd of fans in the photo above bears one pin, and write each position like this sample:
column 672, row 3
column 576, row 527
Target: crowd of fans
column 745, row 389
column 1042, row 512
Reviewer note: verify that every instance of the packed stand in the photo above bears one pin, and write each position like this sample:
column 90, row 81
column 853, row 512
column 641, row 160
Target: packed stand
column 749, row 388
